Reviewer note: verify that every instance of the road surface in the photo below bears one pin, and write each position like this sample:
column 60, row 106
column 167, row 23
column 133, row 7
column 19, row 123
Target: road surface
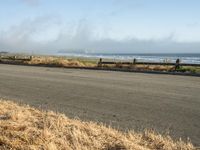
column 123, row 100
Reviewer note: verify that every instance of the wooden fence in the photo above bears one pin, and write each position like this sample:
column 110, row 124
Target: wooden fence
column 177, row 64
column 101, row 63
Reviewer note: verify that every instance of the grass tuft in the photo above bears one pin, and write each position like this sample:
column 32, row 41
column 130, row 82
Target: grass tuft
column 27, row 128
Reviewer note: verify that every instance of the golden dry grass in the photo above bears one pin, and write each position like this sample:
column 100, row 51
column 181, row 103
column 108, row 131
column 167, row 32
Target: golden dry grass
column 26, row 128
column 63, row 62
column 155, row 68
column 58, row 62
column 142, row 67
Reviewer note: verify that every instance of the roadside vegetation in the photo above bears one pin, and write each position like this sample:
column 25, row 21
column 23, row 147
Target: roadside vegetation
column 61, row 61
column 58, row 61
column 189, row 69
column 25, row 128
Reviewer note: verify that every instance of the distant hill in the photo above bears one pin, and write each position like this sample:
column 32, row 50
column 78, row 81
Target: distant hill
column 74, row 51
column 3, row 52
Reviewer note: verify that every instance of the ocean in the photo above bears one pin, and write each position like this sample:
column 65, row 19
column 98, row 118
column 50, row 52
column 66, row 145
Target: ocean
column 185, row 58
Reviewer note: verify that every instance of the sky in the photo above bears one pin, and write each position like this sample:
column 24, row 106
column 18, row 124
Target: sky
column 100, row 26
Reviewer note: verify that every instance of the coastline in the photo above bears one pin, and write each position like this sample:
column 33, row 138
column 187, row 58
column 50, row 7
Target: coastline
column 93, row 63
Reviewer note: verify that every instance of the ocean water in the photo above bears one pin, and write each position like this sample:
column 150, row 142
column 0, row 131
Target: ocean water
column 185, row 58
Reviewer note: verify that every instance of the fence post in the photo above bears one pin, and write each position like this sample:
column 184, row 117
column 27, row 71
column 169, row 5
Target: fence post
column 100, row 62
column 133, row 63
column 177, row 65
column 31, row 58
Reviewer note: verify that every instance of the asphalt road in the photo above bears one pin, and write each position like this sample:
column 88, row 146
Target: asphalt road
column 123, row 100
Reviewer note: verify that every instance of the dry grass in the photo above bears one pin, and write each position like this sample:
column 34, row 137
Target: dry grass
column 142, row 67
column 155, row 68
column 75, row 62
column 63, row 62
column 59, row 62
column 24, row 128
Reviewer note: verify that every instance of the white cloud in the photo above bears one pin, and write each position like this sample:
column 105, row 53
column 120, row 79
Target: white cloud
column 49, row 34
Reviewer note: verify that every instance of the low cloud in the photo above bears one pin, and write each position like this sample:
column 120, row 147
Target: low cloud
column 49, row 35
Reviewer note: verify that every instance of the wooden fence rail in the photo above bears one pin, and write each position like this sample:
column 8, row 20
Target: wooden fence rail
column 177, row 64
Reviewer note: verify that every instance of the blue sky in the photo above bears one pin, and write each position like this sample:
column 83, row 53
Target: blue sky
column 45, row 26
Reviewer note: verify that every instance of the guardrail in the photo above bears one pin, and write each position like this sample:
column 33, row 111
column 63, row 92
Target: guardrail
column 16, row 58
column 177, row 64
